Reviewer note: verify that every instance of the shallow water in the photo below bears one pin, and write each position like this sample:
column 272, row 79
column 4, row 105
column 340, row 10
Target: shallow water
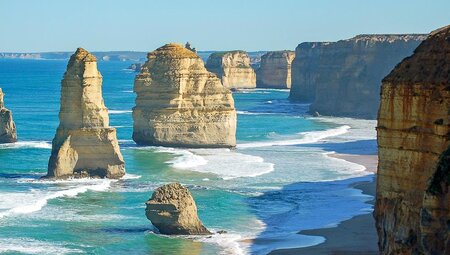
column 278, row 181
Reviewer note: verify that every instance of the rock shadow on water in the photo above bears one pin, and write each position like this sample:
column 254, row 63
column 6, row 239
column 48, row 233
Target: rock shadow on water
column 360, row 147
column 303, row 206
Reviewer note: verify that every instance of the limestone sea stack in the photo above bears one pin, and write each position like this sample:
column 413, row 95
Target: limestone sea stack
column 233, row 68
column 172, row 210
column 180, row 104
column 343, row 78
column 275, row 70
column 413, row 201
column 8, row 132
column 84, row 145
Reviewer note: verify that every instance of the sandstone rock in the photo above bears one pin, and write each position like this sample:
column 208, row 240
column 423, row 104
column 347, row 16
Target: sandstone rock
column 8, row 132
column 179, row 103
column 275, row 70
column 234, row 68
column 343, row 78
column 172, row 210
column 84, row 144
column 413, row 201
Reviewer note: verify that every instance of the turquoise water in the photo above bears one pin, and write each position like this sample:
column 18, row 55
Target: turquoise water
column 278, row 181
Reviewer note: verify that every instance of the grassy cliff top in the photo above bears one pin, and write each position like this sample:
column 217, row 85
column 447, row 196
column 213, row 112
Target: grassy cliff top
column 172, row 50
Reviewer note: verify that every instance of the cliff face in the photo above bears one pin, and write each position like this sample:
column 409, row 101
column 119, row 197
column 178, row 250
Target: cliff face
column 343, row 78
column 233, row 68
column 180, row 103
column 8, row 132
column 275, row 70
column 413, row 201
column 84, row 144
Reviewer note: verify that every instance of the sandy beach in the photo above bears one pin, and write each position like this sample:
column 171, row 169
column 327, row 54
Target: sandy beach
column 354, row 236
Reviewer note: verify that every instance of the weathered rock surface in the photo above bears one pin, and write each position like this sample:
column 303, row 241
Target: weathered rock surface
column 172, row 210
column 233, row 68
column 179, row 103
column 275, row 70
column 413, row 201
column 343, row 78
column 84, row 144
column 8, row 132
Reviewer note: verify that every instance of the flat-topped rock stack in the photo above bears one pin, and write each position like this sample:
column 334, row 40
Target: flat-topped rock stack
column 233, row 68
column 275, row 70
column 84, row 145
column 179, row 103
column 8, row 133
column 413, row 200
column 343, row 78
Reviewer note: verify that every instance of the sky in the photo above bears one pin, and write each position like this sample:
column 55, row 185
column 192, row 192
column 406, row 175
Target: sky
column 252, row 25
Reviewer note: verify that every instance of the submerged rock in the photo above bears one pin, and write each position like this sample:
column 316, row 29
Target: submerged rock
column 179, row 103
column 413, row 200
column 343, row 78
column 275, row 70
column 172, row 210
column 8, row 132
column 84, row 144
column 233, row 68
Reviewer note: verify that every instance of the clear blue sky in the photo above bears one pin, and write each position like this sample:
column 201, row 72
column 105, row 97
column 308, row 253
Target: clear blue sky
column 143, row 25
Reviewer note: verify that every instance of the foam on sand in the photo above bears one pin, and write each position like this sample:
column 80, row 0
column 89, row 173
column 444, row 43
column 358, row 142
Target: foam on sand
column 305, row 138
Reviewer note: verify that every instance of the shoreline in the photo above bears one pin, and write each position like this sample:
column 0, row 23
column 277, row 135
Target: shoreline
column 355, row 236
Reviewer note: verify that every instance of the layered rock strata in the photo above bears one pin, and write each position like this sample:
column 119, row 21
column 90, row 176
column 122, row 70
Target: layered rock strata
column 8, row 133
column 343, row 78
column 413, row 201
column 275, row 70
column 84, row 145
column 233, row 68
column 172, row 210
column 179, row 103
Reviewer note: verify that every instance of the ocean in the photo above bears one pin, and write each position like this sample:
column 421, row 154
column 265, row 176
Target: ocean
column 279, row 180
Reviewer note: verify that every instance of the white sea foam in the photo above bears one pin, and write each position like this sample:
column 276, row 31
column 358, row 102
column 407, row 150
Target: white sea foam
column 128, row 176
column 254, row 113
column 228, row 242
column 119, row 111
column 305, row 138
column 225, row 163
column 27, row 144
column 32, row 246
column 127, row 91
column 186, row 159
column 38, row 200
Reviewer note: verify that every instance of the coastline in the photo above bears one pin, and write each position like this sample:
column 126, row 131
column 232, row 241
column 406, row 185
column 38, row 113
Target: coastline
column 356, row 236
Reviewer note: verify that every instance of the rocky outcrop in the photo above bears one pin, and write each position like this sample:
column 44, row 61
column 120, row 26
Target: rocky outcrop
column 234, row 68
column 84, row 145
column 343, row 78
column 275, row 70
column 179, row 103
column 413, row 201
column 8, row 132
column 135, row 67
column 172, row 210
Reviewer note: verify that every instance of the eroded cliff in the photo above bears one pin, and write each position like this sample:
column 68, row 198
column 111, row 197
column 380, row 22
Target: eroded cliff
column 343, row 78
column 84, row 145
column 233, row 68
column 413, row 201
column 8, row 132
column 275, row 70
column 179, row 103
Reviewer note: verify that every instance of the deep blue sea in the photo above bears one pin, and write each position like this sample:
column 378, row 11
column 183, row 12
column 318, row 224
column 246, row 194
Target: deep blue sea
column 278, row 181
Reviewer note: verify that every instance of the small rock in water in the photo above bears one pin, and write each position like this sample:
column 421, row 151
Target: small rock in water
column 172, row 210
column 316, row 114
